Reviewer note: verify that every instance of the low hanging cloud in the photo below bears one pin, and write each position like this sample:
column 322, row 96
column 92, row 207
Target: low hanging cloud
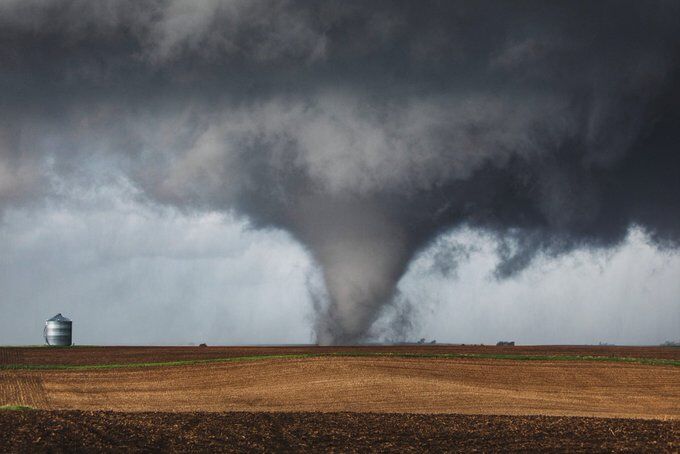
column 364, row 130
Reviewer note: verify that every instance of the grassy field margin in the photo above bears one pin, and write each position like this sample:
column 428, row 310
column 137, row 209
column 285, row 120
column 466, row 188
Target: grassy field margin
column 511, row 357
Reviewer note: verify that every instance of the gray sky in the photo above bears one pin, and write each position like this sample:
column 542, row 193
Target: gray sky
column 259, row 171
column 130, row 275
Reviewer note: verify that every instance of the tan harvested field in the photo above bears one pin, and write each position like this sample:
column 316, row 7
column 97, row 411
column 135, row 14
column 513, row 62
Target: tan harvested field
column 117, row 355
column 361, row 384
column 395, row 403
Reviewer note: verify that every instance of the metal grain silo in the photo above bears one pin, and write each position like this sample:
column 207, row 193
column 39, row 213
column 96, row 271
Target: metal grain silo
column 58, row 331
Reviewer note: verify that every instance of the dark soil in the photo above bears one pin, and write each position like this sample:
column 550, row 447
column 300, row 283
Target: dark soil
column 121, row 355
column 76, row 431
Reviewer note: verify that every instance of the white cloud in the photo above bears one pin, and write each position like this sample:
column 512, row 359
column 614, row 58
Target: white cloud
column 630, row 295
column 131, row 275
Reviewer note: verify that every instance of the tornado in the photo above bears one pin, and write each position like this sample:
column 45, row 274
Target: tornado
column 365, row 130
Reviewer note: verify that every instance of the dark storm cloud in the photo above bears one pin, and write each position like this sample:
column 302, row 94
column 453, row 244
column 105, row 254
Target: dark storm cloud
column 448, row 255
column 364, row 130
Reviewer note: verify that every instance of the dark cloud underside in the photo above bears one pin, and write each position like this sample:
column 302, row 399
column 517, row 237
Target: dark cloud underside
column 363, row 129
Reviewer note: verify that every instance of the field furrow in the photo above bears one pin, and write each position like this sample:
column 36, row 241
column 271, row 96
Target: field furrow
column 22, row 388
column 11, row 355
column 381, row 384
column 124, row 355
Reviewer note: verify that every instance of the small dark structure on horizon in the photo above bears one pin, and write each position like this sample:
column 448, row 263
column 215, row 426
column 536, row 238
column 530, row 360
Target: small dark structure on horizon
column 505, row 343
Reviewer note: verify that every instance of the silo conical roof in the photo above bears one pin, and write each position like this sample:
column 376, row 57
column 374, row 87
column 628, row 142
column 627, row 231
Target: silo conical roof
column 58, row 318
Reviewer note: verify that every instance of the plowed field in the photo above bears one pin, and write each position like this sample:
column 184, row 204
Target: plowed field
column 21, row 388
column 11, row 355
column 373, row 384
column 397, row 403
column 72, row 431
column 117, row 355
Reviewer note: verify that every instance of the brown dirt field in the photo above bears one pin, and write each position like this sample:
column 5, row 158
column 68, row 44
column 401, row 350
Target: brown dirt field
column 73, row 431
column 356, row 384
column 117, row 355
column 20, row 388
column 11, row 355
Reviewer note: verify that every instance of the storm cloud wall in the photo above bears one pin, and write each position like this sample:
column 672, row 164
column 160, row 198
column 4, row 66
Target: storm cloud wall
column 364, row 130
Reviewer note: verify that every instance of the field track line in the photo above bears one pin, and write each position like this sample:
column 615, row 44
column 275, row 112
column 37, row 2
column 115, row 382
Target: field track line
column 11, row 356
column 21, row 388
column 643, row 361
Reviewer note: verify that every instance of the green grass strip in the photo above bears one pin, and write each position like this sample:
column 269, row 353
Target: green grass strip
column 512, row 357
column 15, row 408
column 518, row 357
column 188, row 362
